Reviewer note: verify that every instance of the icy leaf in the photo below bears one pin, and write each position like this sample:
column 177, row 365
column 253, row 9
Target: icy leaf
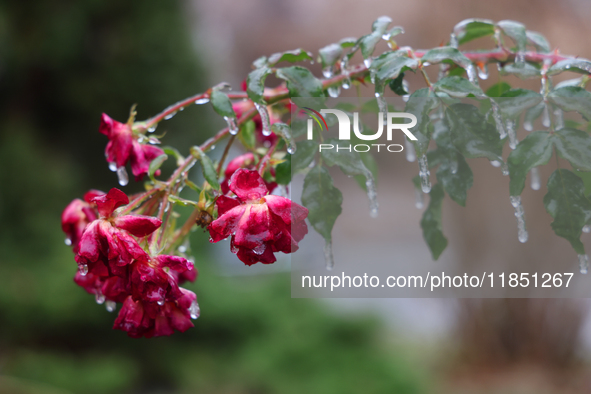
column 533, row 151
column 330, row 54
column 389, row 65
column 456, row 184
column 155, row 165
column 296, row 55
column 255, row 84
column 538, row 40
column 448, row 55
column 323, row 201
column 567, row 204
column 301, row 159
column 514, row 101
column 515, row 31
column 431, row 222
column 301, row 82
column 471, row 29
column 397, row 85
column 420, row 104
column 578, row 65
column 221, row 103
column 572, row 98
column 498, row 89
column 457, row 86
column 574, row 146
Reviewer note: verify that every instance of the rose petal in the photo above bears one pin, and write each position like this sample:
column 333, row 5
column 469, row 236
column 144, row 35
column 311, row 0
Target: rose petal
column 138, row 225
column 224, row 204
column 248, row 185
column 255, row 227
column 107, row 203
column 226, row 225
column 286, row 209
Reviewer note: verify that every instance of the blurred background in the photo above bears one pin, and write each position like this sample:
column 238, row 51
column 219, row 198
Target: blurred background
column 63, row 62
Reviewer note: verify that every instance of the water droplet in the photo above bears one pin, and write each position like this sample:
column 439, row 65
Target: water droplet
column 546, row 115
column 264, row 119
column 519, row 58
column 170, row 115
column 510, row 127
column 232, row 125
column 496, row 163
column 181, row 109
column 558, row 119
column 346, row 83
column 334, row 91
column 534, row 180
column 151, row 129
column 424, row 174
column 471, row 71
column 194, row 310
column 182, row 249
column 260, row 249
column 110, row 306
column 587, row 229
column 160, row 302
column 83, row 269
column 122, row 176
column 99, row 297
column 113, row 166
column 483, row 72
column 68, row 241
column 419, row 202
column 233, row 248
column 544, row 83
column 405, row 97
column 453, row 40
column 212, row 147
column 291, row 149
column 367, row 62
column 522, row 234
column 498, row 119
column 327, row 72
column 410, row 150
column 328, row 257
column 583, row 263
column 203, row 100
column 504, row 169
column 528, row 126
column 289, row 141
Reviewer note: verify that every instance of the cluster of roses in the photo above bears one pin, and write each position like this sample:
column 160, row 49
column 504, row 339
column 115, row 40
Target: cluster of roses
column 116, row 269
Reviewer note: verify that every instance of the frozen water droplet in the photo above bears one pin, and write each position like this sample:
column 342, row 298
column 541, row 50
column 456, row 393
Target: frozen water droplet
column 483, row 72
column 327, row 72
column 99, row 297
column 372, row 195
column 367, row 62
column 546, row 116
column 289, row 141
column 528, row 126
column 410, row 150
column 471, row 71
column 498, row 119
column 386, row 36
column 153, row 141
column 233, row 248
column 419, row 202
column 510, row 127
column 232, row 125
column 505, row 169
column 259, row 249
column 110, row 305
column 212, row 147
column 181, row 109
column 454, row 167
column 68, row 241
column 194, row 310
column 405, row 97
column 453, row 40
column 424, row 174
column 203, row 100
column 587, row 229
column 113, row 166
column 122, row 176
column 264, row 119
column 83, row 269
column 535, row 179
column 182, row 249
column 495, row 163
column 346, row 83
column 151, row 129
column 328, row 257
column 519, row 58
column 583, row 263
column 291, row 149
column 544, row 83
column 170, row 115
column 522, row 234
column 160, row 302
column 334, row 91
column 558, row 119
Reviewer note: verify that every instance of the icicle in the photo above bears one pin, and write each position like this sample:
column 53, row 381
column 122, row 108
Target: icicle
column 328, row 257
column 528, row 126
column 510, row 127
column 83, row 269
column 264, row 119
column 367, row 62
column 151, row 129
column 419, row 202
column 471, row 71
column 409, row 147
column 110, row 306
column 203, row 100
column 289, row 141
column 194, row 310
column 505, row 169
column 558, row 119
column 170, row 115
column 334, row 91
column 519, row 58
column 483, row 72
column 99, row 297
column 583, row 263
column 122, row 176
column 372, row 195
column 498, row 119
column 546, row 115
column 232, row 126
column 587, row 229
column 424, row 174
column 345, row 72
column 453, row 40
column 327, row 72
column 520, row 215
column 496, row 163
column 544, row 83
column 535, row 179
column 113, row 166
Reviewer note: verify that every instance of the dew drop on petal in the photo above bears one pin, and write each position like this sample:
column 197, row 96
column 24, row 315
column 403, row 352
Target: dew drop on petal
column 194, row 310
column 522, row 234
column 122, row 176
column 83, row 269
column 583, row 263
column 99, row 297
column 110, row 305
column 424, row 174
column 534, row 180
column 203, row 100
column 160, row 302
column 328, row 257
column 260, row 249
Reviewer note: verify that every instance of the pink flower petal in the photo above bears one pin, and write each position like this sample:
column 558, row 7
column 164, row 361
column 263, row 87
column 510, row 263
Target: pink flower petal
column 226, row 224
column 286, row 209
column 138, row 225
column 224, row 204
column 179, row 264
column 248, row 185
column 249, row 257
column 255, row 227
column 107, row 203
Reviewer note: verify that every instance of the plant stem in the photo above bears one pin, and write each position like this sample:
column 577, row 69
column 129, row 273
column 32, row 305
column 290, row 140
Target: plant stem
column 225, row 154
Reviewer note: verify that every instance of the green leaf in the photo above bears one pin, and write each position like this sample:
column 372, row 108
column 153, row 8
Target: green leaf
column 533, row 113
column 169, row 150
column 574, row 146
column 539, row 41
column 330, row 54
column 301, row 82
column 567, row 204
column 348, row 42
column 372, row 165
column 247, row 135
column 323, row 201
column 397, row 86
column 516, row 31
column 368, row 42
column 457, row 87
column 572, row 98
column 533, row 151
column 181, row 201
column 471, row 134
column 579, row 65
column 303, row 156
column 456, row 183
column 446, row 54
column 471, row 29
column 192, row 186
column 498, row 89
column 221, row 104
column 255, row 84
column 420, row 104
column 522, row 70
column 349, row 162
column 209, row 171
column 296, row 55
column 586, row 177
column 431, row 222
column 283, row 171
column 389, row 65
column 155, row 165
column 514, row 101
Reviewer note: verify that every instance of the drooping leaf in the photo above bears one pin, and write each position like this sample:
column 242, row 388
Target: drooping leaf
column 533, row 151
column 181, row 201
column 514, row 101
column 567, row 204
column 390, row 64
column 471, row 134
column 516, row 31
column 300, row 82
column 349, row 162
column 420, row 104
column 575, row 146
column 572, row 98
column 458, row 87
column 255, row 84
column 578, row 65
column 293, row 56
column 457, row 183
column 471, row 29
column 330, row 54
column 169, row 150
column 209, row 171
column 539, row 41
column 368, row 42
column 431, row 222
column 221, row 103
column 397, row 86
column 323, row 201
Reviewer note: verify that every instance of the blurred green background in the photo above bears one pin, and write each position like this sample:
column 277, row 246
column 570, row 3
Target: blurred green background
column 62, row 63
